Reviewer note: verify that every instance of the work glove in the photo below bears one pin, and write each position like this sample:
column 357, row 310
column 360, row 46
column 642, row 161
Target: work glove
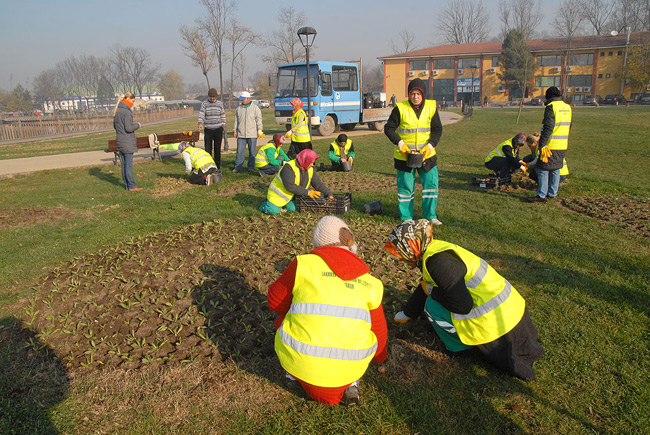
column 351, row 160
column 404, row 149
column 314, row 194
column 260, row 134
column 288, row 134
column 187, row 133
column 544, row 154
column 523, row 167
column 401, row 317
column 426, row 287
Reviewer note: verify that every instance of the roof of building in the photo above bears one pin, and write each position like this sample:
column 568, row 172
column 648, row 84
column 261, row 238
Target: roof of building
column 535, row 45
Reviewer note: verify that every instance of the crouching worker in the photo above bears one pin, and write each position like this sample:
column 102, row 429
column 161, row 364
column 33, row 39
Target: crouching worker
column 199, row 165
column 504, row 159
column 270, row 157
column 341, row 151
column 532, row 141
column 295, row 178
column 466, row 301
column 331, row 324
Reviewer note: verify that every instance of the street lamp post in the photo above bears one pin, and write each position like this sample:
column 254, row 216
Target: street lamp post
column 307, row 36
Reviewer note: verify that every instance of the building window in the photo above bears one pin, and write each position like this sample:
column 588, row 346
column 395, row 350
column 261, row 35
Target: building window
column 579, row 80
column 620, row 53
column 443, row 90
column 547, row 81
column 495, row 61
column 443, row 63
column 418, row 65
column 468, row 62
column 608, row 75
column 611, row 53
column 600, row 76
column 552, row 60
column 581, row 59
column 602, row 54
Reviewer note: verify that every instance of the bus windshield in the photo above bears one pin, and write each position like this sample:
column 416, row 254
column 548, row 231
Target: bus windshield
column 292, row 81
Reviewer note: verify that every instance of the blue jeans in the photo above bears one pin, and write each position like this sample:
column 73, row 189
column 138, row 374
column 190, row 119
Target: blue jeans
column 126, row 161
column 548, row 183
column 241, row 152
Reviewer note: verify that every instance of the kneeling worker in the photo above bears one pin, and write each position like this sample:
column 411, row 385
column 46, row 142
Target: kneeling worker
column 532, row 141
column 199, row 165
column 270, row 157
column 341, row 151
column 504, row 159
column 295, row 178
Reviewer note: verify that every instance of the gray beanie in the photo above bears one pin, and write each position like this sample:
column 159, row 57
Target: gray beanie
column 332, row 231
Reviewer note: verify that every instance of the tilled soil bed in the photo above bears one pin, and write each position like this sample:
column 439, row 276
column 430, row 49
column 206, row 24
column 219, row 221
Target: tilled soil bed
column 196, row 293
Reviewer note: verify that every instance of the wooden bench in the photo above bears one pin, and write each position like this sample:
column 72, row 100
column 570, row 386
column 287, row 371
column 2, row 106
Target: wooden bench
column 163, row 139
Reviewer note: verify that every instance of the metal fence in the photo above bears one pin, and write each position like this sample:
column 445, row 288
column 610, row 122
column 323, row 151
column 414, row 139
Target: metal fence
column 38, row 128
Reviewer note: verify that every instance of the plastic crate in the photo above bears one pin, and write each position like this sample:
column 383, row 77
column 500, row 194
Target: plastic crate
column 491, row 182
column 340, row 204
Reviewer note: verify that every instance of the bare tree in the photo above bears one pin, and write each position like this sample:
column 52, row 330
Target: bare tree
column 634, row 14
column 568, row 24
column 215, row 26
column 132, row 69
column 48, row 87
column 464, row 22
column 239, row 38
column 198, row 50
column 406, row 42
column 522, row 15
column 597, row 13
column 240, row 71
column 283, row 44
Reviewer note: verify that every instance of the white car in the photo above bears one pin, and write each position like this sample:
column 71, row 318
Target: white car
column 263, row 104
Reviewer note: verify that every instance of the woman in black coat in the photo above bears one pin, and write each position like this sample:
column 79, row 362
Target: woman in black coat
column 125, row 137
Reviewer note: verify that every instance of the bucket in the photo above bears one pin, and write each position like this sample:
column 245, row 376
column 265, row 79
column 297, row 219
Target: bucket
column 373, row 207
column 347, row 166
column 216, row 177
column 414, row 160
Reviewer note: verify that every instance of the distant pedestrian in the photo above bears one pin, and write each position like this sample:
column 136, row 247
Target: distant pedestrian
column 248, row 128
column 393, row 100
column 125, row 137
column 212, row 119
column 485, row 101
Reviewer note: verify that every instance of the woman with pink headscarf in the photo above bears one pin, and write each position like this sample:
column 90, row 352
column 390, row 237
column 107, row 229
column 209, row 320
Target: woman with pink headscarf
column 299, row 133
column 295, row 178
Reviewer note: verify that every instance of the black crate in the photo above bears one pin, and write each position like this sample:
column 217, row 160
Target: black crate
column 491, row 182
column 340, row 204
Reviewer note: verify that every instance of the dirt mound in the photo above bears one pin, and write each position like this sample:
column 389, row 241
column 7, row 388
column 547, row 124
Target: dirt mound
column 18, row 217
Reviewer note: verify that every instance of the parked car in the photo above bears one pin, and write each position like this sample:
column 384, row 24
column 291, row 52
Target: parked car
column 262, row 104
column 592, row 100
column 614, row 99
column 535, row 101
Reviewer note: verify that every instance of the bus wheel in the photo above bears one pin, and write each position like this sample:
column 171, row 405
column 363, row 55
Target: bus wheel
column 327, row 127
column 348, row 127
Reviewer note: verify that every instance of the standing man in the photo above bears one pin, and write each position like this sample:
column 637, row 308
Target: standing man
column 248, row 128
column 553, row 144
column 212, row 120
column 414, row 126
column 299, row 133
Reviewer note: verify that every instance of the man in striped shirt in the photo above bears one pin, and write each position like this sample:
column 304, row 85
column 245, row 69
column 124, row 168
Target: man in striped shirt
column 212, row 118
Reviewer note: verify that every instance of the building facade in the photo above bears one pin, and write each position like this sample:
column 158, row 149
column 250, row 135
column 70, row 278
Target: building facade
column 454, row 73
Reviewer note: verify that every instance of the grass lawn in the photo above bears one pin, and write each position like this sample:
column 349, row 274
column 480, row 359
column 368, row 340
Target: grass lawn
column 581, row 262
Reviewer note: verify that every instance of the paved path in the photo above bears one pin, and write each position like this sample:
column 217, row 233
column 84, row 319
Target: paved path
column 28, row 165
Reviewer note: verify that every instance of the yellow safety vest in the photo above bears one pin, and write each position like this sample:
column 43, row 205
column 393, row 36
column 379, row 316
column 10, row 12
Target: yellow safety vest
column 497, row 306
column 564, row 170
column 199, row 157
column 414, row 131
column 326, row 337
column 498, row 151
column 301, row 134
column 277, row 193
column 337, row 147
column 261, row 159
column 559, row 139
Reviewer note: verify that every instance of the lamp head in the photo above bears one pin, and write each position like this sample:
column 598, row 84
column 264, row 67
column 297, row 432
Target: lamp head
column 307, row 36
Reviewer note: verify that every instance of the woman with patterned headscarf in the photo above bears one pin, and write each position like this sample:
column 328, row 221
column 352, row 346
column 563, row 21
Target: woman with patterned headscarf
column 466, row 301
column 299, row 133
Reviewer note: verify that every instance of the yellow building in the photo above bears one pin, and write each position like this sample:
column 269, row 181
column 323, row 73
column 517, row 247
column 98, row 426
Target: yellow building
column 594, row 66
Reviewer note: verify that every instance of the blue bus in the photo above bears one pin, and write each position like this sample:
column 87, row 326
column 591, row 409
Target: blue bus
column 335, row 96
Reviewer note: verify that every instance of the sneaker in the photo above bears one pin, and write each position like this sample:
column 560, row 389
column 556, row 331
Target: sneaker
column 208, row 180
column 435, row 222
column 536, row 199
column 350, row 396
column 401, row 317
column 550, row 198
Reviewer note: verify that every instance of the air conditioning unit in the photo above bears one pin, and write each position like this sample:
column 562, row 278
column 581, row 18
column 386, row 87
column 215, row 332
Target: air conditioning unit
column 492, row 70
column 461, row 71
column 501, row 88
column 577, row 89
column 569, row 89
column 435, row 72
column 555, row 70
column 647, row 87
column 425, row 73
column 411, row 73
column 586, row 89
column 569, row 69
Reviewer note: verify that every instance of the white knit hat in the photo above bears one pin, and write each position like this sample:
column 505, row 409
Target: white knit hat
column 332, row 231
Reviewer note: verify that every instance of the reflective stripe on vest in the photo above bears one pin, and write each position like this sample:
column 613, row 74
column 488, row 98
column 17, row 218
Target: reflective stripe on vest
column 327, row 344
column 278, row 194
column 199, row 157
column 559, row 139
column 301, row 134
column 497, row 306
column 414, row 131
column 337, row 148
column 498, row 151
column 261, row 159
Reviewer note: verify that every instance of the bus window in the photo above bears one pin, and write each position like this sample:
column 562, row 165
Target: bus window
column 326, row 84
column 345, row 78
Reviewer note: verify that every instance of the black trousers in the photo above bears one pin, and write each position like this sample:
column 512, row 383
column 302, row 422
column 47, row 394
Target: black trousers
column 199, row 177
column 212, row 138
column 296, row 147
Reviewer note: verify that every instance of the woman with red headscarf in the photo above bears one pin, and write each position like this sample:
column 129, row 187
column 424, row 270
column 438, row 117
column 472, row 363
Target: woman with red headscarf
column 299, row 133
column 295, row 178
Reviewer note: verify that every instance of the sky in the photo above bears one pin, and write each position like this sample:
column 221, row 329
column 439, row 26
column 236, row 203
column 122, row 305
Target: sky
column 37, row 34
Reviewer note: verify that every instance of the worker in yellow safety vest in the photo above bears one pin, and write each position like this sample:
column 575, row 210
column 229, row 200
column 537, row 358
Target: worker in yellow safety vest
column 330, row 322
column 553, row 144
column 504, row 159
column 299, row 133
column 341, row 151
column 468, row 303
column 199, row 165
column 270, row 157
column 415, row 128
